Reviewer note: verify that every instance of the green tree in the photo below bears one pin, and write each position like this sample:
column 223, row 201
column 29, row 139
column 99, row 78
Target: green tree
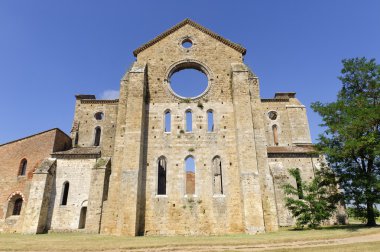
column 312, row 202
column 351, row 139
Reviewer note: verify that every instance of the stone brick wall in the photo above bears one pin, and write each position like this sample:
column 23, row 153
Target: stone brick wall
column 204, row 213
column 85, row 123
column 252, row 167
column 291, row 121
column 76, row 171
column 34, row 149
column 280, row 165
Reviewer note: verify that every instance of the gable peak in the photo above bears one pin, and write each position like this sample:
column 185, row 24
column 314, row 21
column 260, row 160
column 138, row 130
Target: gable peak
column 188, row 21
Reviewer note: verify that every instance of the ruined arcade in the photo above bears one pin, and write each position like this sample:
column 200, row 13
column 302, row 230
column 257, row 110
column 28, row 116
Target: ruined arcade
column 126, row 171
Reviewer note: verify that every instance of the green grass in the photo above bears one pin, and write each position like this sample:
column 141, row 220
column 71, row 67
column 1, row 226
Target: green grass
column 90, row 242
column 353, row 220
column 362, row 247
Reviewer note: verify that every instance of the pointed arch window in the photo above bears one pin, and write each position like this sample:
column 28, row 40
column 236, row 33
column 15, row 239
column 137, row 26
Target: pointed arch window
column 23, row 166
column 210, row 121
column 217, row 175
column 65, row 193
column 275, row 134
column 161, row 176
column 167, row 121
column 98, row 133
column 189, row 121
column 190, row 175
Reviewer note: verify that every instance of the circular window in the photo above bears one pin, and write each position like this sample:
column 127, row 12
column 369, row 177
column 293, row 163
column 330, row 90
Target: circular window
column 272, row 115
column 189, row 83
column 99, row 116
column 187, row 43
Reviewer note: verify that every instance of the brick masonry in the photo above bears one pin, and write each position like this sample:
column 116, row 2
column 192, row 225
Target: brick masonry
column 34, row 149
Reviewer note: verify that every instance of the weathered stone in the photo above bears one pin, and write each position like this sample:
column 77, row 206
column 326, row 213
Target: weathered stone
column 241, row 164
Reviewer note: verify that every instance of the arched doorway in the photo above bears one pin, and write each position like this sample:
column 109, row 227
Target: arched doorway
column 82, row 218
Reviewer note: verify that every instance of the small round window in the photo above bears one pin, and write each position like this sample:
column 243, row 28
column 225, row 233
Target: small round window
column 99, row 116
column 187, row 43
column 272, row 115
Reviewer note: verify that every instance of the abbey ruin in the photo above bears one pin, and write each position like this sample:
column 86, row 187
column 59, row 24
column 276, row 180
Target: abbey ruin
column 123, row 168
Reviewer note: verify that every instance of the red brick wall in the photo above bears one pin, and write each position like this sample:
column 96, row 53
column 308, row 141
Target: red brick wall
column 34, row 148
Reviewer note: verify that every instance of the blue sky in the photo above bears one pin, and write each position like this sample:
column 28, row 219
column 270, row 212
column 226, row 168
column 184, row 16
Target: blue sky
column 52, row 50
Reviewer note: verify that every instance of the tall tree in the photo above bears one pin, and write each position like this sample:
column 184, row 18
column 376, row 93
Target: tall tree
column 351, row 139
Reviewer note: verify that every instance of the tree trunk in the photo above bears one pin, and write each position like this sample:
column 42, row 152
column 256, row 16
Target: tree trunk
column 371, row 219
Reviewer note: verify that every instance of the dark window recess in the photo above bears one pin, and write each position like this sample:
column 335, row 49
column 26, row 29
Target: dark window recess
column 99, row 116
column 23, row 166
column 272, row 115
column 161, row 172
column 98, row 133
column 299, row 184
column 82, row 218
column 275, row 134
column 76, row 140
column 65, row 195
column 17, row 207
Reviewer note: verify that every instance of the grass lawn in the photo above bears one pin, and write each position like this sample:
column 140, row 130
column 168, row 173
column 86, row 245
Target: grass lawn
column 91, row 242
column 362, row 247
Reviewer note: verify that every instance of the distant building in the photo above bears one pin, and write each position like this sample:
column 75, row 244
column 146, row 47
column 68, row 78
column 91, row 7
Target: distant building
column 126, row 174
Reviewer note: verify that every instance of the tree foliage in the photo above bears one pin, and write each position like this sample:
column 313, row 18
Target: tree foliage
column 351, row 139
column 312, row 202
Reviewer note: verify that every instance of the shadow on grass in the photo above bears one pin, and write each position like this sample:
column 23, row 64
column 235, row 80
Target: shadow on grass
column 348, row 227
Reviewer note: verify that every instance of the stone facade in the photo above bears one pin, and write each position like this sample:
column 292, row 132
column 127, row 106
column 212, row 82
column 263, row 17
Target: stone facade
column 126, row 173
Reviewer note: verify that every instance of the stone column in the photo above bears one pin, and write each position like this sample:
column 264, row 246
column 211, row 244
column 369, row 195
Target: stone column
column 122, row 210
column 37, row 207
column 266, row 179
column 256, row 181
column 97, row 194
column 246, row 149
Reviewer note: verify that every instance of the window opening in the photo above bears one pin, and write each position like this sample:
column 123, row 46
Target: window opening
column 98, row 133
column 167, row 121
column 161, row 176
column 65, row 195
column 272, row 115
column 189, row 121
column 188, row 82
column 23, row 166
column 218, row 178
column 99, row 116
column 82, row 218
column 299, row 183
column 187, row 43
column 190, row 175
column 76, row 140
column 17, row 207
column 275, row 134
column 210, row 121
